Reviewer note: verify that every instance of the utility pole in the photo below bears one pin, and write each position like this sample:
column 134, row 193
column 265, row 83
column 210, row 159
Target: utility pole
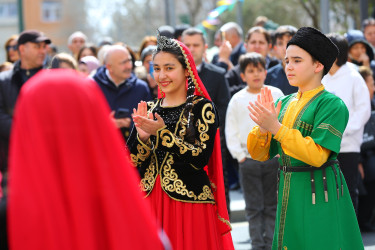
column 170, row 13
column 148, row 17
column 239, row 14
column 20, row 16
column 324, row 16
column 363, row 10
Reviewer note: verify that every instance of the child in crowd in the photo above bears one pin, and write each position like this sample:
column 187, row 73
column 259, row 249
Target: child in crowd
column 314, row 209
column 258, row 179
column 173, row 150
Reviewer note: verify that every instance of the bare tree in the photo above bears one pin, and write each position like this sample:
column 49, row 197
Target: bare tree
column 312, row 9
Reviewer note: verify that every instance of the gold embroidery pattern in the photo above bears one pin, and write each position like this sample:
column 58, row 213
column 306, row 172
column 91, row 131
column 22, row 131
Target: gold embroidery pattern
column 224, row 221
column 208, row 117
column 151, row 106
column 331, row 129
column 148, row 180
column 172, row 183
column 168, row 140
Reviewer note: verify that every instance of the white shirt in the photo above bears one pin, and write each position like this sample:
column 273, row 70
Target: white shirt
column 349, row 85
column 238, row 123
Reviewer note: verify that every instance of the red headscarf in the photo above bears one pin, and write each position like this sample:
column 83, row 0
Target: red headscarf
column 215, row 166
column 71, row 183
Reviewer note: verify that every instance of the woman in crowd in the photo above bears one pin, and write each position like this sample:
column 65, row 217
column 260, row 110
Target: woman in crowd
column 88, row 64
column 147, row 41
column 87, row 50
column 63, row 61
column 11, row 49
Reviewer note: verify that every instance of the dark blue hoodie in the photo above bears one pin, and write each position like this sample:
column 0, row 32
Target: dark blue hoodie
column 126, row 96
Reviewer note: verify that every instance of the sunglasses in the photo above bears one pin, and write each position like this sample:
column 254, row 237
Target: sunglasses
column 13, row 47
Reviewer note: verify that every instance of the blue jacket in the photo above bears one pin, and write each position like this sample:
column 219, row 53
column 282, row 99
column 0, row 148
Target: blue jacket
column 126, row 96
column 276, row 77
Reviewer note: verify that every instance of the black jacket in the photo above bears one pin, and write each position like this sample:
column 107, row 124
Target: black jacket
column 126, row 96
column 276, row 77
column 11, row 82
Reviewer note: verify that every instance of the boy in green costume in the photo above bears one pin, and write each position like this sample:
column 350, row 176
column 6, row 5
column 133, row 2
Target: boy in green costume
column 314, row 209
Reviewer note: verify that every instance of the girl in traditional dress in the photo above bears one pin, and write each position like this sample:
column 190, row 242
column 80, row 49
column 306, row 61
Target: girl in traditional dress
column 176, row 147
column 314, row 207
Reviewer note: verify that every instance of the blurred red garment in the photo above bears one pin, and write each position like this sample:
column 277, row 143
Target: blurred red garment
column 71, row 183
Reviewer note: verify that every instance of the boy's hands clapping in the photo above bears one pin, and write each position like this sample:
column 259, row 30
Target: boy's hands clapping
column 264, row 113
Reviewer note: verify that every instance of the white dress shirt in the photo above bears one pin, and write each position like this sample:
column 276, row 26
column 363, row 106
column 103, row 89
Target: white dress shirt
column 238, row 123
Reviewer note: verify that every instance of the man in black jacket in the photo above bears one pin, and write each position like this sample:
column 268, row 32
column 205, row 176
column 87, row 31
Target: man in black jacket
column 213, row 78
column 257, row 40
column 32, row 48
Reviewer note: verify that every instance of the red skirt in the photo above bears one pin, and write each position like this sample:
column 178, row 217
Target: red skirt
column 187, row 225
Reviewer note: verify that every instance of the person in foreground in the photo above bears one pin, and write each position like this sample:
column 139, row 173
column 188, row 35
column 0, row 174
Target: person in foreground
column 176, row 137
column 71, row 182
column 314, row 208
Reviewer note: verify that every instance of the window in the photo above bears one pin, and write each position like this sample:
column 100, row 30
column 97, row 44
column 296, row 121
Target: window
column 8, row 10
column 51, row 11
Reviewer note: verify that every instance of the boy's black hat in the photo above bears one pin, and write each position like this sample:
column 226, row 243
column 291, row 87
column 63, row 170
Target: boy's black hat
column 317, row 45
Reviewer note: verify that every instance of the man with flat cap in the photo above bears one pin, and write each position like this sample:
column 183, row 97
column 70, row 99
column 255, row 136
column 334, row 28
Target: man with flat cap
column 305, row 129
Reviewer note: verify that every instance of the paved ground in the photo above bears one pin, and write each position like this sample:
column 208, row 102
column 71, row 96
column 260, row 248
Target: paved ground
column 240, row 232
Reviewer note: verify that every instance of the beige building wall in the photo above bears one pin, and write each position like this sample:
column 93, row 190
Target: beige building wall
column 66, row 16
column 8, row 25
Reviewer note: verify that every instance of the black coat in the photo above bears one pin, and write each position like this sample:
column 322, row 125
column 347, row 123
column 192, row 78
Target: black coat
column 11, row 82
column 276, row 77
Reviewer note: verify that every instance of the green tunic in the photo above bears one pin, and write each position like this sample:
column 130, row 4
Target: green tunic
column 300, row 224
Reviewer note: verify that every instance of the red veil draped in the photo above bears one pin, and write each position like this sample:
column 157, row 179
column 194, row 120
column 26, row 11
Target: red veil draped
column 214, row 168
column 71, row 183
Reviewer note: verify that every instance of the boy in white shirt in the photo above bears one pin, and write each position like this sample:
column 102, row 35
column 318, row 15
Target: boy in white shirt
column 258, row 179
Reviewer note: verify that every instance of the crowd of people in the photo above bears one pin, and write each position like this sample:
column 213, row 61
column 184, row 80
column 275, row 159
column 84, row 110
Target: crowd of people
column 286, row 115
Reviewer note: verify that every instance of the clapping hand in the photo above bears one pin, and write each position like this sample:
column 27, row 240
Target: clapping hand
column 145, row 123
column 264, row 113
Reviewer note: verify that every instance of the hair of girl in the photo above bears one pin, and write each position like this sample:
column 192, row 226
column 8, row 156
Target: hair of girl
column 171, row 46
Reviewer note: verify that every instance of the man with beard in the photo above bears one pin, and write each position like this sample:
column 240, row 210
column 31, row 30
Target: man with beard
column 122, row 89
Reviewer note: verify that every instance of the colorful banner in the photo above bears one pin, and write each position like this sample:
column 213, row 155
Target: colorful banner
column 212, row 18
